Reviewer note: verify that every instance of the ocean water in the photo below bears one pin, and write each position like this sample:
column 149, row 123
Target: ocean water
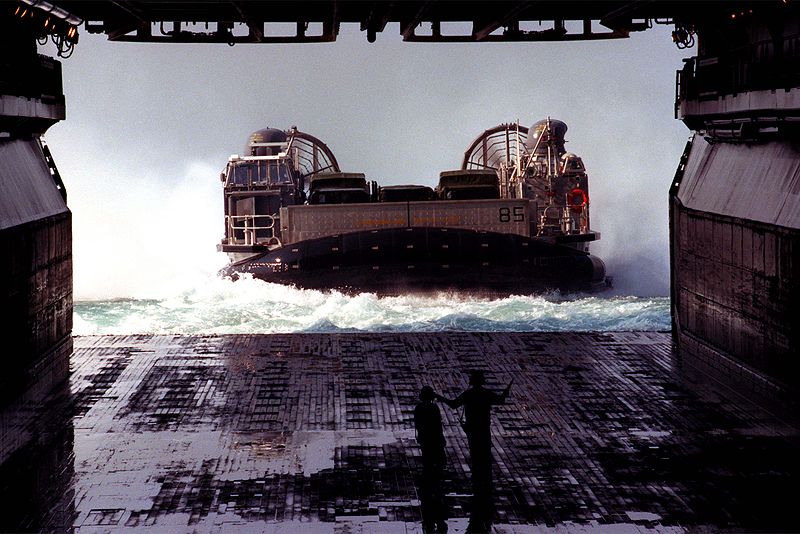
column 218, row 306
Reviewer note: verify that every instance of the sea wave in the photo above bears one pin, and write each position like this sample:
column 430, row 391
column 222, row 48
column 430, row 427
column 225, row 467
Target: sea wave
column 220, row 306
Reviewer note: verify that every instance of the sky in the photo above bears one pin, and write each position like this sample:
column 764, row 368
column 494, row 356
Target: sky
column 149, row 128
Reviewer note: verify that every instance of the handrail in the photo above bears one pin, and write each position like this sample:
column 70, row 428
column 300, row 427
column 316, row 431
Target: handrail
column 252, row 217
column 249, row 228
column 565, row 220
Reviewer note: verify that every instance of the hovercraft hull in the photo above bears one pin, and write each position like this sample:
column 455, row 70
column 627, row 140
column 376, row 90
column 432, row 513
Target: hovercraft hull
column 401, row 260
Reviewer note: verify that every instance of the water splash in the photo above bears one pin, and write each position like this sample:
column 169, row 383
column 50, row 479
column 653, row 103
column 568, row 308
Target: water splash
column 219, row 306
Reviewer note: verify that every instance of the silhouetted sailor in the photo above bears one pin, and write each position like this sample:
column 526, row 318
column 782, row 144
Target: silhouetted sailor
column 428, row 425
column 477, row 402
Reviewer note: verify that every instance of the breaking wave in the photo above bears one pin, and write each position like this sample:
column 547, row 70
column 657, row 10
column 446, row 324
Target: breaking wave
column 220, row 306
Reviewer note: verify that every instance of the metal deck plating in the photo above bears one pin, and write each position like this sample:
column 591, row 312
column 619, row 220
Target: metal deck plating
column 286, row 433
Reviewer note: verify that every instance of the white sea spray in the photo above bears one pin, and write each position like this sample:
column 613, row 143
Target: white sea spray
column 219, row 306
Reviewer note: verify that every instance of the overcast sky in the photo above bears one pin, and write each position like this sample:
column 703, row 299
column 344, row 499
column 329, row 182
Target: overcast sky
column 149, row 127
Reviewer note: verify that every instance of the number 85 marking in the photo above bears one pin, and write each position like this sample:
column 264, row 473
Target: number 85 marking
column 507, row 215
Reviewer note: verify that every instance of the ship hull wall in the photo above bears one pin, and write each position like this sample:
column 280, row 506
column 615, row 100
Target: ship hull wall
column 735, row 266
column 35, row 287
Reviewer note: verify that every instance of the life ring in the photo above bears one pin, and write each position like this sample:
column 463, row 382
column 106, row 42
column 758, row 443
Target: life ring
column 577, row 199
column 274, row 242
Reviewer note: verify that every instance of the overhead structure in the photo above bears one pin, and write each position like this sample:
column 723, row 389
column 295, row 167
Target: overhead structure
column 236, row 22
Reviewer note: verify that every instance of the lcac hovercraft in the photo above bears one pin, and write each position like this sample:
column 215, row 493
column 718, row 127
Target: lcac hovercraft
column 513, row 219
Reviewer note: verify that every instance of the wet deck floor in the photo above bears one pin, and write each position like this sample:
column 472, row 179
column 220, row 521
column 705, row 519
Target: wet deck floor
column 314, row 433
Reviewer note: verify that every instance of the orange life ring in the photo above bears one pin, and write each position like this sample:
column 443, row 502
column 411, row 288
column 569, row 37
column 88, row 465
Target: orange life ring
column 577, row 199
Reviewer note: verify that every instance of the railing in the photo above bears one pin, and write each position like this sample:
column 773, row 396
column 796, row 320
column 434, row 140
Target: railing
column 32, row 77
column 563, row 220
column 248, row 227
column 763, row 65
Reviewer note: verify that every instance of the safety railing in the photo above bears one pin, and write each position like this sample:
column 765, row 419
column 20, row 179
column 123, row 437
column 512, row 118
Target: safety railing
column 762, row 65
column 32, row 77
column 254, row 229
column 563, row 220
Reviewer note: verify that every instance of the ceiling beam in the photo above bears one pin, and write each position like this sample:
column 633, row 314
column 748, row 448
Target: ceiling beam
column 482, row 31
column 131, row 10
column 255, row 26
column 375, row 22
column 408, row 27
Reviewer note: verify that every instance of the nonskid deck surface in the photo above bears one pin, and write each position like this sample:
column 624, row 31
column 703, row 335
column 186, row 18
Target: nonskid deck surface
column 314, row 433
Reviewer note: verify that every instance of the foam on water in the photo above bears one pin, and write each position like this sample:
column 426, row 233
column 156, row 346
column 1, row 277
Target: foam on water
column 219, row 306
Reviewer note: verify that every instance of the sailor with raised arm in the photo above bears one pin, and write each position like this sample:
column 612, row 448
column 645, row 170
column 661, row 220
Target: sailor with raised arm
column 477, row 402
